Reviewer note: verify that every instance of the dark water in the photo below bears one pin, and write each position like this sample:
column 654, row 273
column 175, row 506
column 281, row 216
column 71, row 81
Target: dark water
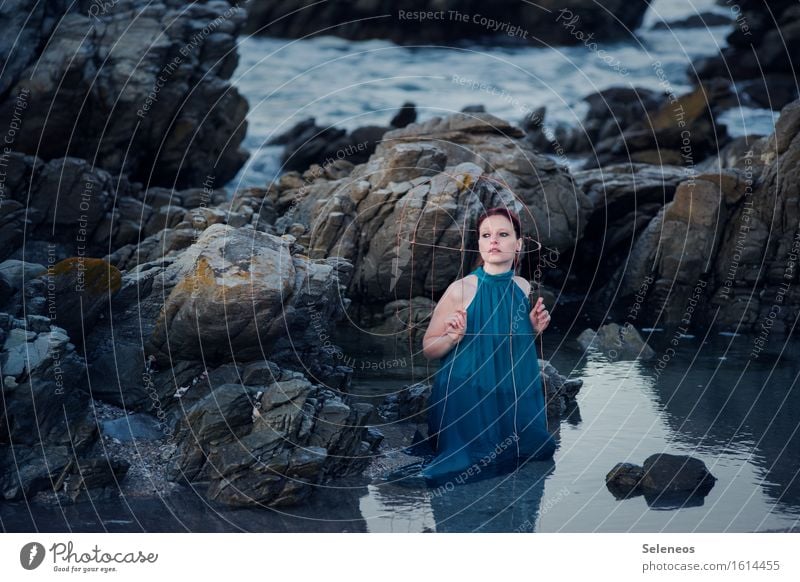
column 711, row 400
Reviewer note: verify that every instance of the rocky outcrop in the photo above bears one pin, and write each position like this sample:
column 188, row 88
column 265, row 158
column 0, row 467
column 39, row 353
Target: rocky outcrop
column 760, row 53
column 665, row 480
column 143, row 91
column 270, row 445
column 405, row 218
column 46, row 428
column 66, row 207
column 725, row 251
column 564, row 22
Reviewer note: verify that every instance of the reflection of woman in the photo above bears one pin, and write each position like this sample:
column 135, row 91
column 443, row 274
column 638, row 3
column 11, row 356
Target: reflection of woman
column 487, row 409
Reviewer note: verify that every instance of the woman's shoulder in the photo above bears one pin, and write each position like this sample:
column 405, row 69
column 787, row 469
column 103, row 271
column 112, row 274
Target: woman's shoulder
column 459, row 285
column 524, row 284
column 462, row 289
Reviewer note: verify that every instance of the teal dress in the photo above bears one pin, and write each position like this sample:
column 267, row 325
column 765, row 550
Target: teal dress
column 487, row 411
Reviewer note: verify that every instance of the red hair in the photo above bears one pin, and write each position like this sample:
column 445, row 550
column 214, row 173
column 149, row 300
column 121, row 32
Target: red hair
column 501, row 211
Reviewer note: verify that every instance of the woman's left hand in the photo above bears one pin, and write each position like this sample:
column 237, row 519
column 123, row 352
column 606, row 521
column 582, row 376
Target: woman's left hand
column 540, row 317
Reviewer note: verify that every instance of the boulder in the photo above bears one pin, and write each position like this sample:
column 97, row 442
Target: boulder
column 270, row 445
column 667, row 481
column 405, row 218
column 616, row 342
column 134, row 84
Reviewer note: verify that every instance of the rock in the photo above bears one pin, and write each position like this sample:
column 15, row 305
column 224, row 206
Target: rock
column 135, row 84
column 45, row 421
column 240, row 293
column 616, row 342
column 760, row 49
column 665, row 473
column 624, row 480
column 551, row 22
column 681, row 131
column 667, row 481
column 408, row 404
column 406, row 115
column 79, row 290
column 308, row 144
column 702, row 20
column 14, row 274
column 271, row 445
column 425, row 184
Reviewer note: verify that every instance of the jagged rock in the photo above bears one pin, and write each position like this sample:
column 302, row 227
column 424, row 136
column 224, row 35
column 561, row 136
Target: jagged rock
column 617, row 342
column 45, row 419
column 719, row 240
column 134, row 83
column 403, row 217
column 760, row 50
column 270, row 445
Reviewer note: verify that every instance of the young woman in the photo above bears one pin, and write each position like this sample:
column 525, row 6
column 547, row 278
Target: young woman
column 487, row 409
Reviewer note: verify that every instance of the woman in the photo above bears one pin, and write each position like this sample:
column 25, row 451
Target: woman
column 487, row 409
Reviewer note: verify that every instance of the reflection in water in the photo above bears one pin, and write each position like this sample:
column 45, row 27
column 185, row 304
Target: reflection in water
column 740, row 406
column 505, row 503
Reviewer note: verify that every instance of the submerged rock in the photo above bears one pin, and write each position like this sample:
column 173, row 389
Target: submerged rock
column 617, row 342
column 667, row 481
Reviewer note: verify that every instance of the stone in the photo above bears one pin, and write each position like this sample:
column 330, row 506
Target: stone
column 616, row 342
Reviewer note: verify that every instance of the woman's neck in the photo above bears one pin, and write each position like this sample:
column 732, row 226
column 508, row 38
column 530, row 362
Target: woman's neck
column 497, row 269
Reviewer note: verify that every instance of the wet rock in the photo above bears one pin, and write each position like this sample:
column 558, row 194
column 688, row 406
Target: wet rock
column 307, row 144
column 617, row 342
column 702, row 20
column 624, row 480
column 14, row 274
column 666, row 480
column 271, row 445
column 406, row 115
column 408, row 404
column 45, row 419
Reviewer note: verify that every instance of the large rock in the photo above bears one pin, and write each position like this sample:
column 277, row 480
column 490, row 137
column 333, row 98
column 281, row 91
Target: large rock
column 270, row 445
column 728, row 241
column 142, row 90
column 406, row 218
column 665, row 480
column 551, row 21
column 234, row 295
column 68, row 207
column 46, row 426
column 759, row 53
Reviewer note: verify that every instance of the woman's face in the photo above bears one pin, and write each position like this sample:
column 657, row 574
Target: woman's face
column 497, row 241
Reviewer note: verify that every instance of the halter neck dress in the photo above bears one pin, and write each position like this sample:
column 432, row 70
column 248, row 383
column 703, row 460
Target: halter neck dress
column 487, row 409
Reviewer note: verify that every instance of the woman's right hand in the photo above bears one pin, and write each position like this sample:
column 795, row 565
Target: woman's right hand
column 456, row 325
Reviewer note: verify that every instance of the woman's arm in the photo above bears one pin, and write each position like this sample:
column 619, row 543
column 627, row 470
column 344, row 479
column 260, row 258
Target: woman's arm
column 539, row 316
column 448, row 324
